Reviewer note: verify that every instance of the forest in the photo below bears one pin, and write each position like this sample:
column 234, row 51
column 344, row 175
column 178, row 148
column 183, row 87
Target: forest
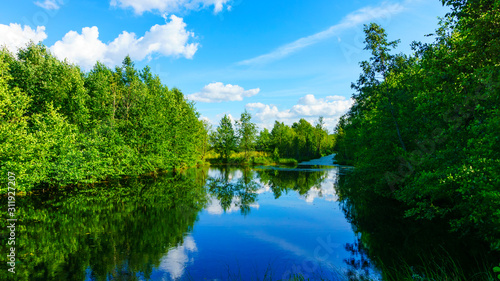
column 284, row 144
column 424, row 130
column 61, row 126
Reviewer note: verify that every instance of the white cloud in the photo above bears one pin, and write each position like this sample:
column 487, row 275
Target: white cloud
column 351, row 20
column 14, row 36
column 218, row 92
column 49, row 4
column 307, row 107
column 170, row 6
column 85, row 48
column 205, row 119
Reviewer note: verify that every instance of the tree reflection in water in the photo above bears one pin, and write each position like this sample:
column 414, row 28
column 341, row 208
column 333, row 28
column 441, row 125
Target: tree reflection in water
column 403, row 247
column 116, row 230
column 241, row 193
column 358, row 265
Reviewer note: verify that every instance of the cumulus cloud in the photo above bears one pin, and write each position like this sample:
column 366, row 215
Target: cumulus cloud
column 218, row 92
column 14, row 36
column 170, row 6
column 358, row 17
column 49, row 4
column 308, row 107
column 85, row 48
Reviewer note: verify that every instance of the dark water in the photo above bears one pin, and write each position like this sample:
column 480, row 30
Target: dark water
column 221, row 223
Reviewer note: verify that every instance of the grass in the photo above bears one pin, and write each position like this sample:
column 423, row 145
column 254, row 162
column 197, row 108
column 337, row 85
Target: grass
column 251, row 158
column 441, row 267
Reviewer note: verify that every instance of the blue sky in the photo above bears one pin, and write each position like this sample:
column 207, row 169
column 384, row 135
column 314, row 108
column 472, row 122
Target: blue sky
column 281, row 60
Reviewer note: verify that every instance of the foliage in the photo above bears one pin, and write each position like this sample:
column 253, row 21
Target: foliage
column 223, row 139
column 424, row 128
column 300, row 142
column 247, row 132
column 264, row 140
column 61, row 126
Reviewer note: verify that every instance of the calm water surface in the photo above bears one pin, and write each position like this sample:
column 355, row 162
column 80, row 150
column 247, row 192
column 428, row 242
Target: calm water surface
column 218, row 223
column 292, row 224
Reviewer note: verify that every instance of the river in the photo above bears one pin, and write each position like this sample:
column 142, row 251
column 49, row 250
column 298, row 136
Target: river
column 231, row 223
column 217, row 223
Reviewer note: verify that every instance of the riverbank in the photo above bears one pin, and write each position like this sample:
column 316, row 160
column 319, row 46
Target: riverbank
column 251, row 158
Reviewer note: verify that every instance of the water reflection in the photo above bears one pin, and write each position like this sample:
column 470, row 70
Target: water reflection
column 405, row 247
column 177, row 258
column 310, row 182
column 214, row 223
column 232, row 191
column 120, row 229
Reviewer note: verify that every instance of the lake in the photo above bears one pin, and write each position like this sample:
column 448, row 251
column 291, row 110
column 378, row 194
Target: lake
column 217, row 223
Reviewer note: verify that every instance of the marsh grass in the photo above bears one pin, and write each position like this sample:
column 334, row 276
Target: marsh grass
column 441, row 267
column 250, row 158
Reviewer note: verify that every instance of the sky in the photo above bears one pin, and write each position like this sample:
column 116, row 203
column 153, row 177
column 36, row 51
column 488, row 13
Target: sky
column 278, row 59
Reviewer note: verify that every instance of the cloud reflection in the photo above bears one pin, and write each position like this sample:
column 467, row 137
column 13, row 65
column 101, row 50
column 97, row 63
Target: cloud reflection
column 215, row 206
column 177, row 258
column 326, row 190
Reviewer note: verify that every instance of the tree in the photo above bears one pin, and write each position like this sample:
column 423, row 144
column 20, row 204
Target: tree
column 321, row 135
column 45, row 79
column 443, row 164
column 381, row 63
column 247, row 132
column 207, row 127
column 61, row 126
column 224, row 139
column 264, row 140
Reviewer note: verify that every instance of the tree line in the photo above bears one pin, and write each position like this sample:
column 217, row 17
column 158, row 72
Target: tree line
column 60, row 125
column 301, row 141
column 425, row 128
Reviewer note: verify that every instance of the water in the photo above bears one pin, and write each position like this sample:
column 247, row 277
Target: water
column 219, row 223
column 291, row 224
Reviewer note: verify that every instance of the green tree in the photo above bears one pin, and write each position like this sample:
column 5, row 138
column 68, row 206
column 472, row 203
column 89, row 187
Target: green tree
column 264, row 140
column 247, row 132
column 443, row 163
column 17, row 145
column 224, row 138
column 380, row 64
column 61, row 126
column 45, row 79
column 323, row 142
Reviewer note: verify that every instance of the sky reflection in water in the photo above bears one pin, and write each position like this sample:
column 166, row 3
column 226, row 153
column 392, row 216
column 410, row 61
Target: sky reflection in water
column 303, row 230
